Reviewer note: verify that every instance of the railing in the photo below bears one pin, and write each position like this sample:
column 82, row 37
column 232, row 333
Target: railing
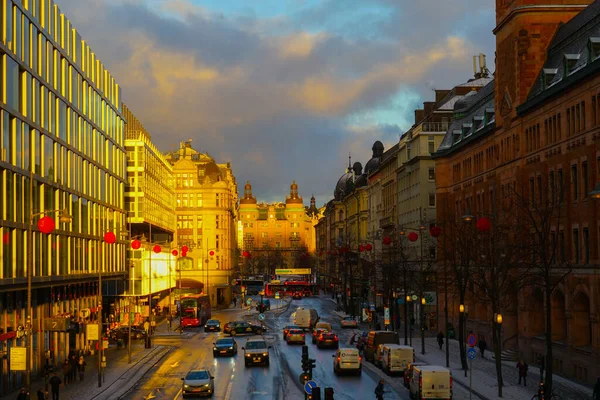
column 435, row 126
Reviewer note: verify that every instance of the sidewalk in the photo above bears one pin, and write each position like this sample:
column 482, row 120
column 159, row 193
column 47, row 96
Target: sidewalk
column 119, row 375
column 484, row 374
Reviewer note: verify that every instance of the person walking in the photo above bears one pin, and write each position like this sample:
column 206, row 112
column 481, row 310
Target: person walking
column 482, row 347
column 73, row 362
column 596, row 394
column 152, row 326
column 81, row 367
column 440, row 339
column 380, row 390
column 66, row 367
column 522, row 367
column 234, row 301
column 22, row 394
column 55, row 385
column 40, row 394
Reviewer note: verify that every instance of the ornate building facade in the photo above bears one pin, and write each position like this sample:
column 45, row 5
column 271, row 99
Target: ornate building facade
column 206, row 206
column 533, row 133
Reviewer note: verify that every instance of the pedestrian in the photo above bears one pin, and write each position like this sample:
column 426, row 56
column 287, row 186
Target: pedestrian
column 440, row 339
column 596, row 394
column 55, row 384
column 152, row 326
column 482, row 347
column 40, row 394
column 234, row 301
column 81, row 367
column 73, row 362
column 66, row 367
column 380, row 390
column 22, row 394
column 522, row 367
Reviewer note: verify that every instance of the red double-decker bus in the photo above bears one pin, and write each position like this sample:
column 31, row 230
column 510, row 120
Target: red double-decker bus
column 288, row 288
column 195, row 310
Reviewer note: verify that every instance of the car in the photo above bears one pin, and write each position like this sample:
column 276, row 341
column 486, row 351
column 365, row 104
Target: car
column 212, row 325
column 347, row 359
column 295, row 336
column 198, row 382
column 122, row 332
column 328, row 339
column 256, row 351
column 242, row 328
column 297, row 296
column 408, row 374
column 316, row 332
column 287, row 328
column 224, row 347
column 349, row 322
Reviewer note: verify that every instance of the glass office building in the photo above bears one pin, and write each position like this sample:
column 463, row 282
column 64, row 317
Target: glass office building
column 61, row 147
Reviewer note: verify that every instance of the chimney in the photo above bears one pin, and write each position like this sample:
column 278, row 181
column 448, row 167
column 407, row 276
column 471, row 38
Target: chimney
column 428, row 107
column 419, row 114
column 440, row 94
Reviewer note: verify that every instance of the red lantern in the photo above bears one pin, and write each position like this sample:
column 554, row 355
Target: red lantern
column 110, row 238
column 46, row 225
column 368, row 247
column 136, row 244
column 246, row 253
column 183, row 253
column 483, row 224
column 361, row 248
column 5, row 238
column 387, row 240
column 211, row 253
column 184, row 249
column 156, row 249
column 175, row 253
column 413, row 236
column 435, row 231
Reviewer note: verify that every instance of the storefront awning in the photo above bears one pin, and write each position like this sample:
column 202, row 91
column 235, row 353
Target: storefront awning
column 188, row 283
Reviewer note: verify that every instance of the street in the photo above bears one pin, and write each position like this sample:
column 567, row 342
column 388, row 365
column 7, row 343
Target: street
column 279, row 380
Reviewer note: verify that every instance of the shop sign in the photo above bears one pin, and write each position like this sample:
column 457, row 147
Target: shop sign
column 8, row 335
column 18, row 358
column 55, row 324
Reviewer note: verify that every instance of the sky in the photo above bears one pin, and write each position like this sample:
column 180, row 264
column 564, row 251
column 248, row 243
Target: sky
column 283, row 89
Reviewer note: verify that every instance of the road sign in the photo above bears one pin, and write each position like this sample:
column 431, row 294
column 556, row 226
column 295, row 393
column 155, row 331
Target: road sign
column 472, row 340
column 303, row 378
column 261, row 317
column 276, row 295
column 92, row 331
column 471, row 353
column 309, row 386
column 249, row 302
column 372, row 307
column 55, row 324
column 293, row 271
column 386, row 315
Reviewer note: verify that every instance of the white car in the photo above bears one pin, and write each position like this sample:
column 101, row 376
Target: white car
column 348, row 322
column 198, row 382
column 347, row 360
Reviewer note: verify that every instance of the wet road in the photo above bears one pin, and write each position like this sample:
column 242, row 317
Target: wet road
column 233, row 381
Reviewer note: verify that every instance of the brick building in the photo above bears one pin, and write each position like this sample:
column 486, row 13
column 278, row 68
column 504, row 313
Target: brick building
column 537, row 123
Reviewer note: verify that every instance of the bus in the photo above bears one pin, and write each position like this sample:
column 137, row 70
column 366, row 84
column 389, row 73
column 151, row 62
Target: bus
column 195, row 310
column 288, row 288
column 253, row 286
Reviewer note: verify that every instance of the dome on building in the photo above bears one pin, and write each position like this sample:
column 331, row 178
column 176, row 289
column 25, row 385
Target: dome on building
column 342, row 186
column 374, row 162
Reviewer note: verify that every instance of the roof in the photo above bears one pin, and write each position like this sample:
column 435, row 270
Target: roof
column 570, row 56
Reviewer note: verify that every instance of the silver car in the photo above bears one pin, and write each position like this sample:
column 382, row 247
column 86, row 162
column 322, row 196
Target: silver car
column 198, row 382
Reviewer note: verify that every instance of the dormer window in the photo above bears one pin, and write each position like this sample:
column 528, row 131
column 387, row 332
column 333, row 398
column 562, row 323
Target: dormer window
column 477, row 122
column 548, row 75
column 594, row 48
column 489, row 115
column 456, row 136
column 466, row 129
column 570, row 62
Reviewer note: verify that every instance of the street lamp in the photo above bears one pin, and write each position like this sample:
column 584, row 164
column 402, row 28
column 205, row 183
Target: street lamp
column 45, row 225
column 464, row 311
column 595, row 194
column 423, row 302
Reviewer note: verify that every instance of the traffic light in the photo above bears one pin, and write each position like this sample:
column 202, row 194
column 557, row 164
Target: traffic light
column 305, row 365
column 312, row 363
column 328, row 393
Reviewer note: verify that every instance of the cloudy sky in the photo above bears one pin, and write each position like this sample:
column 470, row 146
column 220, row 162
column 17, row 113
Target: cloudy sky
column 284, row 89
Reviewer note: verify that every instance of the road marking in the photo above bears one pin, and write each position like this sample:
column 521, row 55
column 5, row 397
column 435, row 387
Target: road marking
column 178, row 393
column 175, row 364
column 229, row 387
column 150, row 396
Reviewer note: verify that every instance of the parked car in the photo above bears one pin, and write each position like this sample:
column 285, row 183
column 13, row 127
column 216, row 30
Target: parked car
column 408, row 374
column 430, row 382
column 295, row 336
column 287, row 328
column 396, row 358
column 347, row 359
column 242, row 328
column 328, row 339
column 122, row 332
column 375, row 338
column 225, row 347
column 199, row 383
column 212, row 325
column 349, row 322
column 256, row 351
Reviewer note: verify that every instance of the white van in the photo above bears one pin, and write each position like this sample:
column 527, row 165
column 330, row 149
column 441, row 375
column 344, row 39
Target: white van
column 430, row 382
column 306, row 318
column 347, row 359
column 395, row 358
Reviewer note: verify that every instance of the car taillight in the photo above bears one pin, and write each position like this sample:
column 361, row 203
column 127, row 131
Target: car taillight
column 302, row 334
column 339, row 358
column 320, row 337
column 359, row 358
column 335, row 337
column 420, row 381
column 450, row 383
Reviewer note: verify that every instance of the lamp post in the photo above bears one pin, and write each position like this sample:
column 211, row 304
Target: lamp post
column 406, row 321
column 45, row 225
column 423, row 302
column 464, row 312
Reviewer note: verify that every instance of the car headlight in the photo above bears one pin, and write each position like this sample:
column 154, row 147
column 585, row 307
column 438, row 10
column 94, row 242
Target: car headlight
column 186, row 386
column 215, row 349
column 265, row 354
column 207, row 385
column 248, row 355
column 231, row 348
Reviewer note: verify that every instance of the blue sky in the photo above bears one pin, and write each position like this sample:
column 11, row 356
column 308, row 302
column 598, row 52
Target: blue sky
column 284, row 89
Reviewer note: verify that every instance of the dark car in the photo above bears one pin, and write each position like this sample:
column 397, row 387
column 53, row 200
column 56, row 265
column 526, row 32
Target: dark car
column 316, row 332
column 212, row 325
column 297, row 296
column 327, row 339
column 242, row 328
column 225, row 347
column 122, row 332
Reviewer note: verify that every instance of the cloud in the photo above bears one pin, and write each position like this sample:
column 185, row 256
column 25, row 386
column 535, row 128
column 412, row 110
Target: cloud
column 288, row 95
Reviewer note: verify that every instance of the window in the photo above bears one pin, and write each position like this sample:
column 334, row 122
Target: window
column 532, row 191
column 576, row 249
column 217, row 200
column 431, row 199
column 584, row 178
column 586, row 245
column 561, row 192
column 594, row 111
column 408, row 151
column 431, row 173
column 561, row 245
column 574, row 182
column 551, row 187
column 539, row 190
column 431, row 146
column 217, row 221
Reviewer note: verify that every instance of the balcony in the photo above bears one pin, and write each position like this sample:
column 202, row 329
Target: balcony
column 435, row 126
column 385, row 222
